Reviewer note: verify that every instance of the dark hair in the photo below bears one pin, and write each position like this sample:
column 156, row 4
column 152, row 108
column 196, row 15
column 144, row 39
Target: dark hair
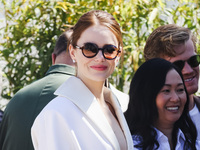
column 163, row 39
column 142, row 110
column 95, row 17
column 62, row 42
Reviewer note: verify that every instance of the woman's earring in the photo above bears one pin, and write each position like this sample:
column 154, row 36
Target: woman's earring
column 73, row 61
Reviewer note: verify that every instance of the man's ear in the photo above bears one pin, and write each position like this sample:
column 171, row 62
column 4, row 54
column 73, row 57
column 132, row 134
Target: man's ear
column 53, row 57
column 72, row 52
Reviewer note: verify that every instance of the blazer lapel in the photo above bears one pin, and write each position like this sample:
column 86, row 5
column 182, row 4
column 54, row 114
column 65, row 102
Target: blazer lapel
column 76, row 91
column 121, row 119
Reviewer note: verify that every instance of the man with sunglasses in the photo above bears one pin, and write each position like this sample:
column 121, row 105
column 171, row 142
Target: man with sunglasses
column 178, row 45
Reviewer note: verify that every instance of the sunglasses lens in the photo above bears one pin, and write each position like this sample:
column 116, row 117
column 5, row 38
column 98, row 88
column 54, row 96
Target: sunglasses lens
column 194, row 61
column 110, row 51
column 180, row 64
column 90, row 50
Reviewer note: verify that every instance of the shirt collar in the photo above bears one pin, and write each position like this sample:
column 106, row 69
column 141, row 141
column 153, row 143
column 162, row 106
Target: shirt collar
column 61, row 68
column 161, row 136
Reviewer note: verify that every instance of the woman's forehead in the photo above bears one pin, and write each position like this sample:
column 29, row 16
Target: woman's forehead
column 99, row 35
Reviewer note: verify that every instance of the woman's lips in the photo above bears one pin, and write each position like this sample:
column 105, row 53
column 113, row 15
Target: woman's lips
column 99, row 67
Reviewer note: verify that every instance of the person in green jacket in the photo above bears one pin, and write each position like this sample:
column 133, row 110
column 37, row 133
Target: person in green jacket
column 27, row 103
column 1, row 111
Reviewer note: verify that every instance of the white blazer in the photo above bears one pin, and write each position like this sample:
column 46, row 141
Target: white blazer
column 123, row 98
column 75, row 121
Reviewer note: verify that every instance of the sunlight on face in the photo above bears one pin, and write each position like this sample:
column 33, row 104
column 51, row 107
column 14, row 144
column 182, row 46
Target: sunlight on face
column 97, row 68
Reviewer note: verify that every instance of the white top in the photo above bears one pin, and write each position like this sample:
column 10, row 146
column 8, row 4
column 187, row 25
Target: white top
column 164, row 144
column 195, row 116
column 75, row 121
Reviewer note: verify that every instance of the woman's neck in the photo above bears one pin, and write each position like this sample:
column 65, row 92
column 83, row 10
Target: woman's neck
column 167, row 131
column 96, row 87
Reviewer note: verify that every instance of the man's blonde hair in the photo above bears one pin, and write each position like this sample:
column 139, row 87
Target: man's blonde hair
column 162, row 41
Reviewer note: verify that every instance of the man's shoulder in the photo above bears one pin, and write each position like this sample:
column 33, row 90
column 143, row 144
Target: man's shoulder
column 197, row 101
column 51, row 81
column 43, row 88
column 55, row 76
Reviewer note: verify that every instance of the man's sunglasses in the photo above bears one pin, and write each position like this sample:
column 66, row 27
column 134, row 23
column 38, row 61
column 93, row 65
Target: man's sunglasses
column 193, row 61
column 90, row 50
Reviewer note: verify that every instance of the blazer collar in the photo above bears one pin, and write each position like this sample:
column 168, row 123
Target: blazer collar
column 76, row 91
column 61, row 68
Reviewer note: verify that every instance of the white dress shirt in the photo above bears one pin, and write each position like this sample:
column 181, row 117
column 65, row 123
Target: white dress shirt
column 164, row 144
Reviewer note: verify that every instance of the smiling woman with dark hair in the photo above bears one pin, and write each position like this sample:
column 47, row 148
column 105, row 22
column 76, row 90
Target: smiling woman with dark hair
column 157, row 114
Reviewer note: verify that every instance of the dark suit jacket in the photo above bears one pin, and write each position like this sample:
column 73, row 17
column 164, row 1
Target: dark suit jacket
column 21, row 111
column 1, row 115
column 197, row 101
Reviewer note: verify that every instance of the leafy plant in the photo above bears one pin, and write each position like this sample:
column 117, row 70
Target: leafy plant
column 33, row 26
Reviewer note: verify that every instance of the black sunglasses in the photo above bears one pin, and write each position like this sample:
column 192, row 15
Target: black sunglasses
column 90, row 50
column 193, row 61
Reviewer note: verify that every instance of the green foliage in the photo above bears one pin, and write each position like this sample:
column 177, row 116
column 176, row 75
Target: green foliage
column 32, row 27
